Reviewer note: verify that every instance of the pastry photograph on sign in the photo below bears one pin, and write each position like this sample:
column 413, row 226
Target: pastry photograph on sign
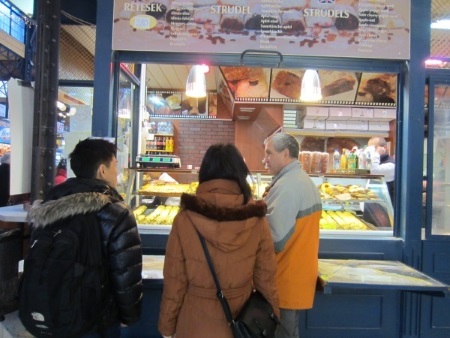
column 339, row 85
column 286, row 84
column 379, row 88
column 247, row 83
column 177, row 104
column 336, row 28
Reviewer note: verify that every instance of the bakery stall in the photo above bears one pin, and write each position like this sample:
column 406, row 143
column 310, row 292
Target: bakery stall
column 259, row 52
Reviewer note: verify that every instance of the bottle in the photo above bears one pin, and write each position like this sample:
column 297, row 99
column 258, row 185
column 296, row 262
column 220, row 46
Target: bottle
column 167, row 147
column 351, row 161
column 362, row 160
column 343, row 162
column 163, row 143
column 336, row 160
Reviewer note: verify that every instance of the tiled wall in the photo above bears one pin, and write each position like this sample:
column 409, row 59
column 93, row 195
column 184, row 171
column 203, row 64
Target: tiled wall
column 193, row 137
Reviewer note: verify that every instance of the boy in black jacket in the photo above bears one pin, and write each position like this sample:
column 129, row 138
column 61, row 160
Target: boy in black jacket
column 93, row 191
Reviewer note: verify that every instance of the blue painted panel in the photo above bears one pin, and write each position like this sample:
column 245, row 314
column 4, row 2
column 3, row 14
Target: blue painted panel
column 353, row 314
column 147, row 327
column 435, row 318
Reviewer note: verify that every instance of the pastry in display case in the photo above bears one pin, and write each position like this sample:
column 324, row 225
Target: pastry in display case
column 355, row 202
column 154, row 195
column 350, row 203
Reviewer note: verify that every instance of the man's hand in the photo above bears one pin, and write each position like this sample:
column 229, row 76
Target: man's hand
column 381, row 150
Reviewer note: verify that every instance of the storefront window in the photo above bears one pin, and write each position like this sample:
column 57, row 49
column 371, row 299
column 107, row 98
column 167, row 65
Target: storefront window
column 124, row 130
column 74, row 119
column 440, row 211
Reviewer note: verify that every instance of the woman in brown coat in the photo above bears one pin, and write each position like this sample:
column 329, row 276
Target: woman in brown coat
column 238, row 239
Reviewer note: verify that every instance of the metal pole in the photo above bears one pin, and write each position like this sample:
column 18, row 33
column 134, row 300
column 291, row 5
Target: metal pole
column 45, row 97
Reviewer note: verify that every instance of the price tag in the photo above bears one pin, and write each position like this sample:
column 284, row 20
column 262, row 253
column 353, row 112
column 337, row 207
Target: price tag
column 143, row 22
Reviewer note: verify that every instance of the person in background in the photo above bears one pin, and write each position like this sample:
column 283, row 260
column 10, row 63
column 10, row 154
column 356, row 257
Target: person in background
column 294, row 209
column 382, row 163
column 93, row 190
column 238, row 238
column 4, row 179
column 61, row 172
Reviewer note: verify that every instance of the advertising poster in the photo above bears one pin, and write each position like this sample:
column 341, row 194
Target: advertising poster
column 247, row 83
column 278, row 85
column 177, row 104
column 335, row 28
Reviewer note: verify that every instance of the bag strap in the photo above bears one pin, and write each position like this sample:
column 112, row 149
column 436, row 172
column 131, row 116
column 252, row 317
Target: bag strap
column 220, row 295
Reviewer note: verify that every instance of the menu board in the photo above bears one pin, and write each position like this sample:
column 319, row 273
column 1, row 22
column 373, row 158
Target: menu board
column 252, row 84
column 336, row 28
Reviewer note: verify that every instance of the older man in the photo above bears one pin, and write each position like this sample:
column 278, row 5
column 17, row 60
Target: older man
column 294, row 210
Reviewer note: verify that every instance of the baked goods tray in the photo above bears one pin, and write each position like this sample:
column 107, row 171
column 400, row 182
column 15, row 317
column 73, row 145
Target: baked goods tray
column 159, row 194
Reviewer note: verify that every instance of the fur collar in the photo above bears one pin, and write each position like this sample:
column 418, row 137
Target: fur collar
column 238, row 213
column 42, row 214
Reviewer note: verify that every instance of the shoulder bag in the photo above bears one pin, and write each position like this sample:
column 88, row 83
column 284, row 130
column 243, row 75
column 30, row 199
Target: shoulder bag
column 256, row 318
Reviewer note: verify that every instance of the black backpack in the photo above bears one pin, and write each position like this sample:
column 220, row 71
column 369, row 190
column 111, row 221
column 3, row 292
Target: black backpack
column 63, row 288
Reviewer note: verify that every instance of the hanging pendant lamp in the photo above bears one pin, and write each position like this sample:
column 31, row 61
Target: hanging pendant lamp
column 311, row 90
column 196, row 82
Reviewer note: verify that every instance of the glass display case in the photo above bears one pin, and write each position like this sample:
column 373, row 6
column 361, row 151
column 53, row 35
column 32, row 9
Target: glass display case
column 356, row 204
column 438, row 166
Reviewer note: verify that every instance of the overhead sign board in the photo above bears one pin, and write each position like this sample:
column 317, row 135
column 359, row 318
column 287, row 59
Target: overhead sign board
column 346, row 28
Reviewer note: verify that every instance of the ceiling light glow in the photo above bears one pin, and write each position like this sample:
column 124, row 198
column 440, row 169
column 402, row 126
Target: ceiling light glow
column 441, row 24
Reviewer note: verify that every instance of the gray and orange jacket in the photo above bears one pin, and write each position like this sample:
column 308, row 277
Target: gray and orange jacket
column 294, row 211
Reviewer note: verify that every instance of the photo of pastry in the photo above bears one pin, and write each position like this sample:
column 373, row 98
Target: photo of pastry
column 377, row 87
column 286, row 83
column 247, row 82
column 338, row 85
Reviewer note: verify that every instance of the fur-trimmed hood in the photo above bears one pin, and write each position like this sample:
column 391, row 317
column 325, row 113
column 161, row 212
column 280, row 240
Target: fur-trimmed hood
column 42, row 214
column 73, row 197
column 218, row 212
column 222, row 214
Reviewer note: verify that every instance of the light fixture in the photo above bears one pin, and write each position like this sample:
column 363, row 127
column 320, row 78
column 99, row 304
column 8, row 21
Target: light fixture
column 311, row 90
column 61, row 106
column 441, row 24
column 196, row 81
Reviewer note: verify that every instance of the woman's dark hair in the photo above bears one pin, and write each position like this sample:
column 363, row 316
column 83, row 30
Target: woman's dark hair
column 224, row 161
column 89, row 154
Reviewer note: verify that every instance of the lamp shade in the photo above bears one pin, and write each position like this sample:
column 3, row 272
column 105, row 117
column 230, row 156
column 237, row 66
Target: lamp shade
column 311, row 90
column 196, row 82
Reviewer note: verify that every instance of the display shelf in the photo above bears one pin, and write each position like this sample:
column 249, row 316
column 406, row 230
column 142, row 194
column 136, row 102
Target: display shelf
column 335, row 133
column 374, row 183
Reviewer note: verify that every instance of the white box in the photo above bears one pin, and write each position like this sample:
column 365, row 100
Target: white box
column 357, row 125
column 340, row 113
column 362, row 113
column 313, row 124
column 335, row 125
column 384, row 114
column 319, row 113
column 379, row 125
